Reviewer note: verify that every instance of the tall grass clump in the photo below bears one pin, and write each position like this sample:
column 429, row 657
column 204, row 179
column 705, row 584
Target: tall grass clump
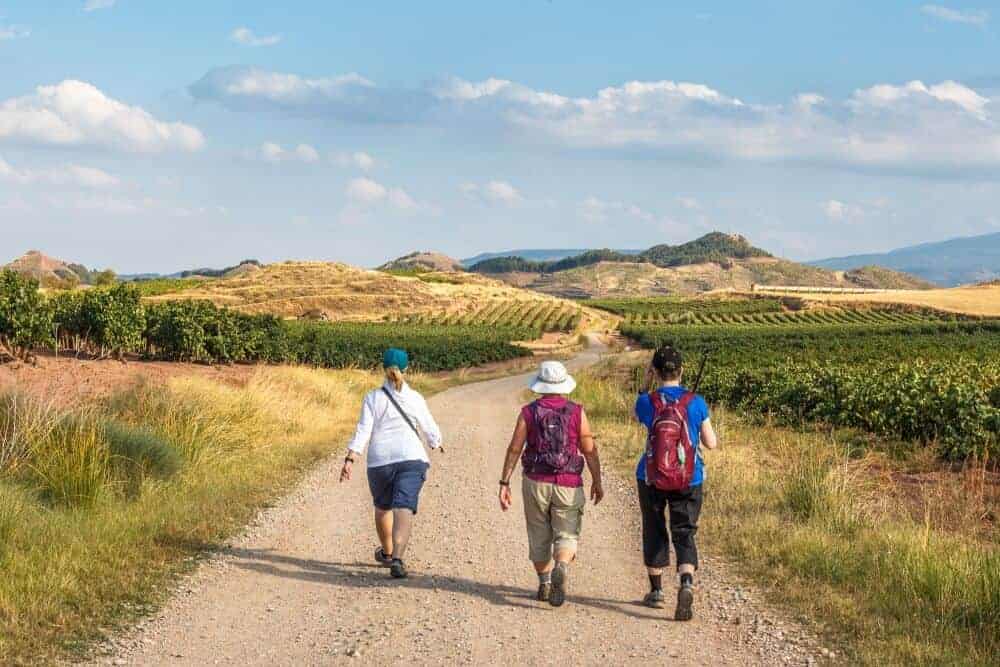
column 896, row 574
column 101, row 505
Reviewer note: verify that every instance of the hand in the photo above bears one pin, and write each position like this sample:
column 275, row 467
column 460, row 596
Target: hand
column 596, row 492
column 505, row 498
column 650, row 377
column 345, row 472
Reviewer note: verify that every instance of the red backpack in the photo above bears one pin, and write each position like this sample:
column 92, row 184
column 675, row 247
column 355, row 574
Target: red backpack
column 669, row 451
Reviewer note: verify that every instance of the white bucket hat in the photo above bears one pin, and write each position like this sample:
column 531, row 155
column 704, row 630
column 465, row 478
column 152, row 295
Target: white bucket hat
column 552, row 378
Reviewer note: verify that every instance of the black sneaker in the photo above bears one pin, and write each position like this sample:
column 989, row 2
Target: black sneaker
column 544, row 591
column 654, row 599
column 397, row 569
column 685, row 600
column 381, row 558
column 557, row 596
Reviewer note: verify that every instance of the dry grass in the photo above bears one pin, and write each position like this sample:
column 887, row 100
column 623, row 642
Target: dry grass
column 343, row 292
column 94, row 520
column 899, row 573
column 984, row 301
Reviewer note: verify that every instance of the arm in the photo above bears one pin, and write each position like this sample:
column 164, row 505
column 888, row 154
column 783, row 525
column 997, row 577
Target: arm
column 362, row 435
column 708, row 437
column 514, row 450
column 588, row 447
column 425, row 420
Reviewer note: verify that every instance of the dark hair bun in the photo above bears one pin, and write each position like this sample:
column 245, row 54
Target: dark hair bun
column 667, row 359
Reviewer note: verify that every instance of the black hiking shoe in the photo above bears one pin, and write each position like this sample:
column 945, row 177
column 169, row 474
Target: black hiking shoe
column 381, row 558
column 398, row 570
column 685, row 601
column 654, row 599
column 557, row 596
column 544, row 591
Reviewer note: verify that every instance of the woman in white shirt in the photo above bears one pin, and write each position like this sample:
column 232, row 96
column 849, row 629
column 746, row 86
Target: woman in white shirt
column 394, row 424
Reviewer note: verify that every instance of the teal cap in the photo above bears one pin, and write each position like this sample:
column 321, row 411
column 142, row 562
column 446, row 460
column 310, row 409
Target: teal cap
column 395, row 357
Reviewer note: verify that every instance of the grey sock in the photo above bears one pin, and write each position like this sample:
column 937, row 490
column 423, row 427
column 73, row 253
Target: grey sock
column 545, row 577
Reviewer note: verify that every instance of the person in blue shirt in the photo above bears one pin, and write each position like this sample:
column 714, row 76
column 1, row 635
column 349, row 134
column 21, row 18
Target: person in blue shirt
column 681, row 507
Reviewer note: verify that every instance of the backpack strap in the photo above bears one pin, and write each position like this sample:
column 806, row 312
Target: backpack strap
column 406, row 417
column 686, row 399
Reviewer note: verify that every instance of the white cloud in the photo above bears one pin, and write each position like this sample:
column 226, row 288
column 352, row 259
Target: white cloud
column 248, row 37
column 358, row 159
column 9, row 32
column 969, row 16
column 77, row 113
column 596, row 210
column 493, row 192
column 65, row 175
column 838, row 211
column 690, row 203
column 364, row 193
column 94, row 5
column 909, row 126
column 275, row 153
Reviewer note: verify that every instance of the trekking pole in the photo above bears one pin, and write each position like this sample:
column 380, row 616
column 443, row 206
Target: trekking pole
column 701, row 371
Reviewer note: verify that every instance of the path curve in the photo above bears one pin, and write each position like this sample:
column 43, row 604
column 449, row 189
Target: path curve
column 299, row 587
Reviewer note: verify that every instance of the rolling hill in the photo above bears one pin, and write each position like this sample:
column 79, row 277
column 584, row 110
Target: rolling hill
column 423, row 261
column 959, row 261
column 329, row 290
column 713, row 262
column 50, row 271
column 536, row 255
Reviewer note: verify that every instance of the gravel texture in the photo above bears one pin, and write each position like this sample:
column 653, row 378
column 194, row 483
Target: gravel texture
column 299, row 586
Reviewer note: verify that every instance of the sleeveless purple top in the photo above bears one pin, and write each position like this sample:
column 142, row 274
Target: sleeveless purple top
column 572, row 480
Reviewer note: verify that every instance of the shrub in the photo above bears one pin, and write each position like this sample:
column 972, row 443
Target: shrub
column 25, row 317
column 141, row 452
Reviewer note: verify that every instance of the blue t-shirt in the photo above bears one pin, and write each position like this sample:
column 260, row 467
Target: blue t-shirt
column 697, row 414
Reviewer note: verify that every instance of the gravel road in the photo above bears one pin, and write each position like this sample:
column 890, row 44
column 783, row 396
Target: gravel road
column 299, row 586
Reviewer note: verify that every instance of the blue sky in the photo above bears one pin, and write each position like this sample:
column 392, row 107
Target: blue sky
column 155, row 136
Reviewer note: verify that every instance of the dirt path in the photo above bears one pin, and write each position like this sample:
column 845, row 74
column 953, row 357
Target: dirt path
column 299, row 588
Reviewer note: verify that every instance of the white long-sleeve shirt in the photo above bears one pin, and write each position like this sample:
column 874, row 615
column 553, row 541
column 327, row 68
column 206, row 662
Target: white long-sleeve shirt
column 387, row 435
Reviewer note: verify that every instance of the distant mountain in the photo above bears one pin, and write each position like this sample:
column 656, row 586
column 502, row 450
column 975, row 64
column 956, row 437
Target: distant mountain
column 960, row 261
column 50, row 272
column 713, row 247
column 713, row 261
column 423, row 261
column 537, row 255
column 247, row 265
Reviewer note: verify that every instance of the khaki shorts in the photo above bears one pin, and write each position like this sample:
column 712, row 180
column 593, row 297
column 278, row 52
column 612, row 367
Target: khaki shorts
column 554, row 515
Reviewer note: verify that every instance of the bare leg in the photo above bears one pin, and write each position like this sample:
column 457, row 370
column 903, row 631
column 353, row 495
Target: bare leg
column 402, row 526
column 566, row 554
column 684, row 568
column 383, row 526
column 541, row 567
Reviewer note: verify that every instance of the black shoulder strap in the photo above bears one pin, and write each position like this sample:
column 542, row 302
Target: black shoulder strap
column 392, row 399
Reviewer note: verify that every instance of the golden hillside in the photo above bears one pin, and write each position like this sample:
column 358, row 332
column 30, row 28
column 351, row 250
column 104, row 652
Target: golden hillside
column 981, row 300
column 343, row 292
column 624, row 279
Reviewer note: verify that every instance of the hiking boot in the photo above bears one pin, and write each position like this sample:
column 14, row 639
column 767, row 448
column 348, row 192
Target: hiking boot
column 557, row 596
column 544, row 591
column 398, row 570
column 381, row 558
column 685, row 600
column 654, row 599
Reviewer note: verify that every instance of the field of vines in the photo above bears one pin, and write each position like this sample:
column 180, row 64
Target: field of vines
column 530, row 318
column 913, row 376
column 114, row 322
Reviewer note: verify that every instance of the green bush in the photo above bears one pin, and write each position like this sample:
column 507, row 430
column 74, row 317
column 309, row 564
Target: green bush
column 139, row 452
column 25, row 317
column 102, row 321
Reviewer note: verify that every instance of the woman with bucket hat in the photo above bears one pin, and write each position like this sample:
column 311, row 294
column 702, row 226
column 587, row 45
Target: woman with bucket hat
column 553, row 440
column 394, row 425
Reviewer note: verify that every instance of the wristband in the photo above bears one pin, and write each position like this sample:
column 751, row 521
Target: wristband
column 503, row 483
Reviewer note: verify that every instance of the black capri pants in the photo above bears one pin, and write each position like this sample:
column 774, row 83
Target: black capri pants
column 683, row 508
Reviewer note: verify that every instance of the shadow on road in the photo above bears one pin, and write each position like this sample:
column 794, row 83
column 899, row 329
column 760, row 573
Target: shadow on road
column 371, row 576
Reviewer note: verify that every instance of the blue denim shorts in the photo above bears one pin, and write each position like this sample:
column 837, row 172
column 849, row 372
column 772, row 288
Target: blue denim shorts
column 397, row 485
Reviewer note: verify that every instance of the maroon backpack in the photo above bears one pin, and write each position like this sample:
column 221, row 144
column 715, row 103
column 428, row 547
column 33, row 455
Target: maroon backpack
column 669, row 451
column 550, row 450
